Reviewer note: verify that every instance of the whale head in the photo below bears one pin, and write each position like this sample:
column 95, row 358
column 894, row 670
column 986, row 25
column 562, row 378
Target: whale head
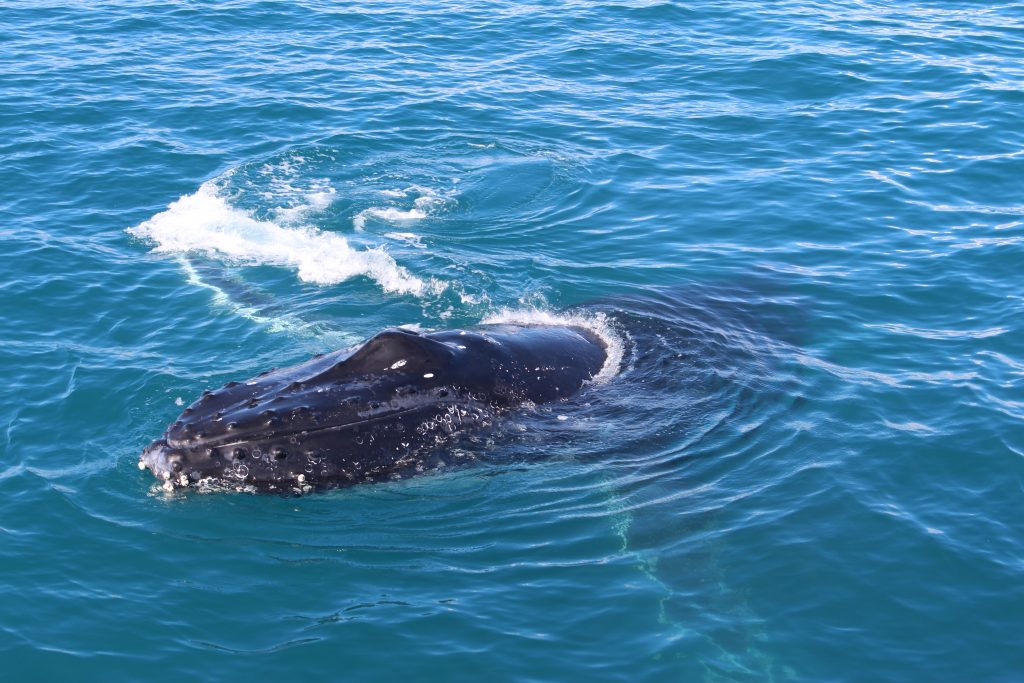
column 362, row 416
column 279, row 426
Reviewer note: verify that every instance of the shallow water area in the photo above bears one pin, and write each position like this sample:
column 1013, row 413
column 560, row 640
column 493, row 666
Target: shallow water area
column 798, row 227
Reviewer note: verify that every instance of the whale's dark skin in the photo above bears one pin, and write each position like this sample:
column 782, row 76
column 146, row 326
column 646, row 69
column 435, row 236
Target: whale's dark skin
column 373, row 414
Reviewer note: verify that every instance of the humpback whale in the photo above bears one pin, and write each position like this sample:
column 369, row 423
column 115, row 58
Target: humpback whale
column 380, row 412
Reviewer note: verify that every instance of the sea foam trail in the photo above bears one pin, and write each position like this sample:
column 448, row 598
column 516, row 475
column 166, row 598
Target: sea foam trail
column 203, row 222
column 595, row 322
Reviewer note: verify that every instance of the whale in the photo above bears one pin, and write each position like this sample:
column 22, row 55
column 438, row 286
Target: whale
column 386, row 410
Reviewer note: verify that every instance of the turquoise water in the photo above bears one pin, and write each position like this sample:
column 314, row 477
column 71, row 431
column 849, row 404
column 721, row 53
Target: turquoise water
column 800, row 222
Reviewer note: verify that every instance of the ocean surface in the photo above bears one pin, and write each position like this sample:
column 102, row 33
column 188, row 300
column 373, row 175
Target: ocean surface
column 800, row 226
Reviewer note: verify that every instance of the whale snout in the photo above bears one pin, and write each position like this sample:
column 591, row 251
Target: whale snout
column 171, row 465
column 159, row 459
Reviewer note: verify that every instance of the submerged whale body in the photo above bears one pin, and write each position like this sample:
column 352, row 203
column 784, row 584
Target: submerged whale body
column 377, row 413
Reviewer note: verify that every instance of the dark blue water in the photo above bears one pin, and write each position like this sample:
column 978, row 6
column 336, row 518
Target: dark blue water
column 799, row 225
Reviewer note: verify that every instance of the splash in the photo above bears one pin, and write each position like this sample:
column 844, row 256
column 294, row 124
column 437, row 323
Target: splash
column 204, row 222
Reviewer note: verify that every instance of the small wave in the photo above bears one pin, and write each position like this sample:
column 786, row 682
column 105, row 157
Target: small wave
column 410, row 238
column 389, row 214
column 899, row 328
column 427, row 201
column 595, row 322
column 204, row 222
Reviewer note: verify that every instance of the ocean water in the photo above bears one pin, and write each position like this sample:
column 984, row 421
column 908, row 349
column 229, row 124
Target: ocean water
column 800, row 223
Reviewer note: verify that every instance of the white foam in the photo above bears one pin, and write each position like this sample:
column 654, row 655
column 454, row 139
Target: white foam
column 389, row 214
column 409, row 238
column 310, row 202
column 471, row 299
column 595, row 322
column 428, row 200
column 287, row 183
column 204, row 222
